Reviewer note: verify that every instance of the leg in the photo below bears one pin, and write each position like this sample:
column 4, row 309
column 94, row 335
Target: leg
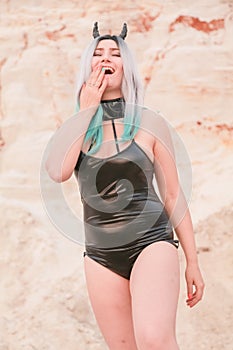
column 154, row 286
column 111, row 302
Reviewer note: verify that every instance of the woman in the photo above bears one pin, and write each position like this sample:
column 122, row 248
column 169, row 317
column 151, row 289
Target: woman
column 114, row 147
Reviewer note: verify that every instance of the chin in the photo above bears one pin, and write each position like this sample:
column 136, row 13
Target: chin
column 112, row 86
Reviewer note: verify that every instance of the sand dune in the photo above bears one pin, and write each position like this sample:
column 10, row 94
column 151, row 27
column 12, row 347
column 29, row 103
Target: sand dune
column 184, row 50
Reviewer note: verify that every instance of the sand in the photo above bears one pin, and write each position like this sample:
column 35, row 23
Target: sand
column 184, row 51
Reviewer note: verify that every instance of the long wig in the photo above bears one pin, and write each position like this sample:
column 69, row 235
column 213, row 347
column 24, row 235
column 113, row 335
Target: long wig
column 131, row 89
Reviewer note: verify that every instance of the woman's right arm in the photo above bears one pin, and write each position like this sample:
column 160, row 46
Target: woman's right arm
column 66, row 145
column 67, row 141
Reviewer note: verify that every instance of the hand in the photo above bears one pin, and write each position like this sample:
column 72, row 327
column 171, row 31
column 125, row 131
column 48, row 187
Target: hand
column 194, row 278
column 93, row 89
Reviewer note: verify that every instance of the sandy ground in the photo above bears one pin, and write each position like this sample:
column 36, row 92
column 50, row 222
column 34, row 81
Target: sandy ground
column 184, row 50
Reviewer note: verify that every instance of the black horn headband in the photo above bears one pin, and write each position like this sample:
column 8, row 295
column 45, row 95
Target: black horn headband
column 122, row 35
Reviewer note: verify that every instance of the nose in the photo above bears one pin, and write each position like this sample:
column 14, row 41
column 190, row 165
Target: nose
column 106, row 56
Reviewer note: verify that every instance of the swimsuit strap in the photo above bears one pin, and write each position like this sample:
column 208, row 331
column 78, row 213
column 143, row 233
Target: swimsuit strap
column 112, row 109
column 115, row 136
column 92, row 143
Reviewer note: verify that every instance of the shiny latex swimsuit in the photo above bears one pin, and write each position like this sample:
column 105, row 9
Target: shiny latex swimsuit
column 122, row 212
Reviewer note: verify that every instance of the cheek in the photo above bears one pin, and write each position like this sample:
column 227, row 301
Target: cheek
column 94, row 63
column 121, row 68
column 121, row 71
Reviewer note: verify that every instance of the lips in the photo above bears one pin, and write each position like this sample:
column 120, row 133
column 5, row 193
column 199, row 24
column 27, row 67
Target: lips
column 108, row 70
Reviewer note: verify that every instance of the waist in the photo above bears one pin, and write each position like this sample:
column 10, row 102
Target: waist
column 110, row 202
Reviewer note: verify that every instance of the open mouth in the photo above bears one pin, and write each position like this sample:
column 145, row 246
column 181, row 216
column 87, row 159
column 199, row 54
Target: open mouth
column 108, row 70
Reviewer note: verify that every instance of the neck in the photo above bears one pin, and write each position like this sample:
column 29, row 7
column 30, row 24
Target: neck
column 113, row 108
column 111, row 95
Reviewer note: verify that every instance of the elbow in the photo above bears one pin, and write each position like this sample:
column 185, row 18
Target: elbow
column 56, row 175
column 53, row 174
column 171, row 197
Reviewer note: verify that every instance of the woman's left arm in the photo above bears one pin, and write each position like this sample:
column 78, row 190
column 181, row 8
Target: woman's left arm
column 177, row 209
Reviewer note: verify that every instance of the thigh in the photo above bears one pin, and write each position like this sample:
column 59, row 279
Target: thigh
column 111, row 302
column 154, row 286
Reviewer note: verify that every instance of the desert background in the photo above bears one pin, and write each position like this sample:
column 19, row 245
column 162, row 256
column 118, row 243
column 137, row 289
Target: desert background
column 184, row 51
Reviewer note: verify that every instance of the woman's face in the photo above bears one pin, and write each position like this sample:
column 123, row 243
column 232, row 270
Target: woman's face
column 107, row 54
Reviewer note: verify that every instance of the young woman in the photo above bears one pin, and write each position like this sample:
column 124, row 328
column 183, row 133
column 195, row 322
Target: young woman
column 115, row 147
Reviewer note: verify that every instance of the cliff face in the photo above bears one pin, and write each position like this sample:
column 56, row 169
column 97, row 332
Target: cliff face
column 184, row 51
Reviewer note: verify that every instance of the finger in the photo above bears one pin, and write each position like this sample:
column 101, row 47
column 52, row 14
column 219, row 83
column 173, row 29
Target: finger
column 193, row 302
column 103, row 86
column 199, row 291
column 190, row 289
column 83, row 88
column 96, row 83
column 100, row 78
column 94, row 75
column 190, row 293
column 197, row 296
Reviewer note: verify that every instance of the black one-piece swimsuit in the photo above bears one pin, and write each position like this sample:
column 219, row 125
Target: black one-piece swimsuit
column 122, row 212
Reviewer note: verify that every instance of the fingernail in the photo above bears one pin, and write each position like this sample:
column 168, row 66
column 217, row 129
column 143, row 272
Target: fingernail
column 103, row 68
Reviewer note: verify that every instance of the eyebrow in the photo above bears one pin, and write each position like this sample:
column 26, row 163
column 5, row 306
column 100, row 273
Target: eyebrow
column 111, row 48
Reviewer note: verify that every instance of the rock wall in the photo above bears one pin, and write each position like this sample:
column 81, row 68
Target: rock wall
column 184, row 51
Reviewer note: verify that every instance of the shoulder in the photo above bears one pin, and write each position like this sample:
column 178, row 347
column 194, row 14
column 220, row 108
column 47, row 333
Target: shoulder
column 154, row 122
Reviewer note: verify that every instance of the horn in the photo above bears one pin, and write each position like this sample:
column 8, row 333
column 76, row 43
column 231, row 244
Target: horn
column 124, row 31
column 96, row 30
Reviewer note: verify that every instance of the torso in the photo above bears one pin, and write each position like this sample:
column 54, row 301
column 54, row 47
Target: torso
column 145, row 140
column 122, row 211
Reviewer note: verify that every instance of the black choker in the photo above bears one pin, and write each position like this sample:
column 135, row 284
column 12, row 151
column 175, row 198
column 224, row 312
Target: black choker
column 113, row 109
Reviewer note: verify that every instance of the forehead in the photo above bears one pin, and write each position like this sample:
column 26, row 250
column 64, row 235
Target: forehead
column 107, row 44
